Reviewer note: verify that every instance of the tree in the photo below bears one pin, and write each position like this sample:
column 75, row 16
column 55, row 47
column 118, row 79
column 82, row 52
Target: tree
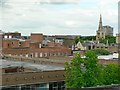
column 74, row 76
column 109, row 39
column 88, row 38
column 82, row 39
column 101, row 51
column 111, row 74
column 86, row 72
column 93, row 71
column 82, row 72
column 77, row 39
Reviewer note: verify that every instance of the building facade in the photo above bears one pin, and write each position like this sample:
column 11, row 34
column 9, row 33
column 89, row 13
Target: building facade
column 108, row 30
column 30, row 76
column 33, row 47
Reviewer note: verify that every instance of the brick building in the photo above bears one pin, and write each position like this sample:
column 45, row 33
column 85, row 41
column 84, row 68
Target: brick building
column 12, row 35
column 32, row 47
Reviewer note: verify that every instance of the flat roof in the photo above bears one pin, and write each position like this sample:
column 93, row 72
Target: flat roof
column 38, row 67
column 114, row 56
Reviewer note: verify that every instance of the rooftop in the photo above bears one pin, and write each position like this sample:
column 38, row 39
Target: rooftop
column 108, row 57
column 39, row 67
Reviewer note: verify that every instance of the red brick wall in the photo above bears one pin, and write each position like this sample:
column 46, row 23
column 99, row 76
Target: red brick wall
column 54, row 51
column 17, row 52
column 25, row 43
column 52, row 44
column 34, row 45
column 10, row 43
column 36, row 37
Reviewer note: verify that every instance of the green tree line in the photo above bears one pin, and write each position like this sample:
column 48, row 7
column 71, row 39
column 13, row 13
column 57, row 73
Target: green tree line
column 101, row 51
column 82, row 39
column 108, row 38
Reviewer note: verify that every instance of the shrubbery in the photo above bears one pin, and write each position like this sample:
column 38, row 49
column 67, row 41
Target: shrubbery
column 101, row 51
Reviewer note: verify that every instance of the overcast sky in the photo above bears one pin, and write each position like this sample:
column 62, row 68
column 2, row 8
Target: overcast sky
column 80, row 17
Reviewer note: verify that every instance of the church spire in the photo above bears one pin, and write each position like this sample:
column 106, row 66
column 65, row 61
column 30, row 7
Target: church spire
column 100, row 23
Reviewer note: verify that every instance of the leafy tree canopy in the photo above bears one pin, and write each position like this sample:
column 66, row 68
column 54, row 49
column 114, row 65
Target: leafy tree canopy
column 109, row 39
column 86, row 38
column 86, row 72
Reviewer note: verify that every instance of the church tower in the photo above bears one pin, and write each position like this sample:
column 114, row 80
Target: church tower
column 100, row 32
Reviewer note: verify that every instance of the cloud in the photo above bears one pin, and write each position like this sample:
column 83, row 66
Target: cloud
column 27, row 16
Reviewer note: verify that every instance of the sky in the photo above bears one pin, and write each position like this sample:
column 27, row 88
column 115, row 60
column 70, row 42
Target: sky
column 71, row 17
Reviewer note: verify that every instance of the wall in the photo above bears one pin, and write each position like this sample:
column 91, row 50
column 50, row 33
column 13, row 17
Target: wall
column 36, row 37
column 32, row 77
column 35, row 52
column 10, row 43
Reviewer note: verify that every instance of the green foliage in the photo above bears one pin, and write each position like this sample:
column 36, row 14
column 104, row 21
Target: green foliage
column 88, row 38
column 82, row 39
column 111, row 74
column 77, row 39
column 92, row 71
column 111, row 39
column 74, row 77
column 86, row 72
column 101, row 51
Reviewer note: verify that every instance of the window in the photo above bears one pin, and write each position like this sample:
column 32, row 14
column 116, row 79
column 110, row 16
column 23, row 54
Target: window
column 5, row 36
column 55, row 85
column 54, row 54
column 40, row 45
column 26, row 55
column 21, row 55
column 40, row 54
column 10, row 36
column 31, row 55
column 50, row 54
column 45, row 54
column 20, row 43
column 58, row 53
column 8, row 45
column 36, row 54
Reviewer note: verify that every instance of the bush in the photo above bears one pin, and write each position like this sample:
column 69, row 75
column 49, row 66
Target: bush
column 101, row 51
